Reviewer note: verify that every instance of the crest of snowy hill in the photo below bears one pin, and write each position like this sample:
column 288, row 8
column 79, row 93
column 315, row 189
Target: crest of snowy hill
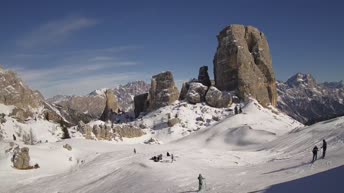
column 91, row 106
column 255, row 124
column 302, row 98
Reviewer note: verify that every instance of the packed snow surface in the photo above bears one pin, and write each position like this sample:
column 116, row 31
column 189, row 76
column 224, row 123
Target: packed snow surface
column 260, row 150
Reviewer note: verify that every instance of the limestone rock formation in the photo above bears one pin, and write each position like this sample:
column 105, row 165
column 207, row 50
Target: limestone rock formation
column 111, row 106
column 22, row 159
column 196, row 92
column 141, row 103
column 163, row 91
column 91, row 106
column 217, row 98
column 13, row 91
column 184, row 90
column 243, row 63
column 203, row 76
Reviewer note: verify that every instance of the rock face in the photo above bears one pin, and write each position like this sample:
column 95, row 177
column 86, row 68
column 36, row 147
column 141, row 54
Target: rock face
column 243, row 63
column 22, row 159
column 141, row 103
column 91, row 106
column 203, row 76
column 163, row 91
column 184, row 90
column 14, row 92
column 217, row 98
column 196, row 92
column 302, row 98
column 111, row 106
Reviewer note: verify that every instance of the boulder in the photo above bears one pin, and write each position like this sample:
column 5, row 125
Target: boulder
column 203, row 76
column 243, row 63
column 141, row 104
column 67, row 146
column 196, row 93
column 172, row 122
column 217, row 98
column 163, row 91
column 22, row 159
column 111, row 106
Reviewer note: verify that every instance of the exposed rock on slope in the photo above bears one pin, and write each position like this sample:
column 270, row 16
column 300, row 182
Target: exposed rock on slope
column 163, row 91
column 243, row 63
column 196, row 92
column 306, row 101
column 203, row 76
column 217, row 98
column 111, row 106
column 14, row 92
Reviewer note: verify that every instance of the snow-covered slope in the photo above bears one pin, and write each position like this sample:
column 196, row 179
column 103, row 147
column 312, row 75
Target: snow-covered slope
column 247, row 152
column 103, row 167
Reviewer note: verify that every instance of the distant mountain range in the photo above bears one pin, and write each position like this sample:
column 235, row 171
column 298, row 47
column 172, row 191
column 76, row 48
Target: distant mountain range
column 91, row 106
column 302, row 98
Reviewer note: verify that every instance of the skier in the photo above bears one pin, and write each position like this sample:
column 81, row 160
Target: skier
column 324, row 146
column 315, row 152
column 172, row 157
column 14, row 137
column 134, row 151
column 200, row 182
column 236, row 110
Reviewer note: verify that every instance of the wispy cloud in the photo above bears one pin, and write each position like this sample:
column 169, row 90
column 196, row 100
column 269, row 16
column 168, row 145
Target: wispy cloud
column 55, row 32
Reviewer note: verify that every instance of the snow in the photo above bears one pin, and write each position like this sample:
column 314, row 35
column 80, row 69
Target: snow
column 6, row 109
column 260, row 150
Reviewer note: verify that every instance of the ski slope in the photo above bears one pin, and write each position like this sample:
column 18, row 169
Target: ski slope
column 257, row 151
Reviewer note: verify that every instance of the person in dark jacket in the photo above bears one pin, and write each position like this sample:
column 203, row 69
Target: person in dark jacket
column 134, row 151
column 236, row 110
column 200, row 182
column 315, row 153
column 324, row 147
column 14, row 137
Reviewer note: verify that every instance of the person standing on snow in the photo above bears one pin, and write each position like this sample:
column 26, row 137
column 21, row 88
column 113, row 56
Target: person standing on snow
column 172, row 157
column 324, row 147
column 134, row 151
column 315, row 153
column 200, row 182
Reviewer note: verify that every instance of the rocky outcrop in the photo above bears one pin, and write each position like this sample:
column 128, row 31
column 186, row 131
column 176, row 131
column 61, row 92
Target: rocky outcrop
column 111, row 106
column 91, row 106
column 184, row 90
column 163, row 91
column 22, row 159
column 196, row 93
column 302, row 98
column 109, row 132
column 243, row 63
column 203, row 76
column 217, row 98
column 14, row 92
column 141, row 103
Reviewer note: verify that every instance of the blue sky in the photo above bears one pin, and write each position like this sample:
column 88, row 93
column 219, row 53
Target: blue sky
column 74, row 47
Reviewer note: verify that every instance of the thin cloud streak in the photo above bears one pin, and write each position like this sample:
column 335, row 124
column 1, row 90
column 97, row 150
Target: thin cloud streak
column 55, row 32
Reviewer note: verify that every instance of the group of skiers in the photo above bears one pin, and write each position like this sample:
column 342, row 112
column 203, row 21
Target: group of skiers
column 159, row 157
column 316, row 149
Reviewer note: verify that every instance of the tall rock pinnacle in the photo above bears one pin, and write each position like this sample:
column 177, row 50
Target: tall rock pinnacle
column 243, row 63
